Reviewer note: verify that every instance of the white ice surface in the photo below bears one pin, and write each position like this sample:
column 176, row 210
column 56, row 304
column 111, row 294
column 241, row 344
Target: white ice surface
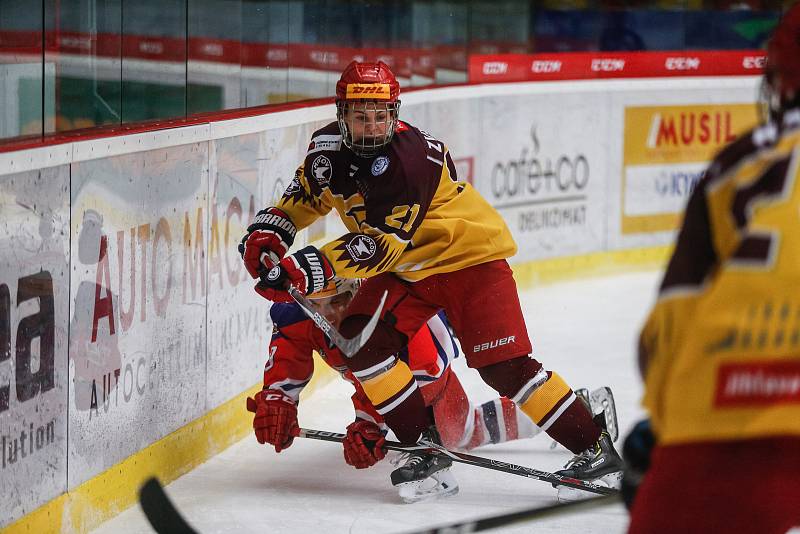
column 585, row 330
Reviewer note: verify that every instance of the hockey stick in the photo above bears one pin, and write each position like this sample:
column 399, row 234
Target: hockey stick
column 159, row 510
column 478, row 461
column 501, row 520
column 348, row 346
column 165, row 518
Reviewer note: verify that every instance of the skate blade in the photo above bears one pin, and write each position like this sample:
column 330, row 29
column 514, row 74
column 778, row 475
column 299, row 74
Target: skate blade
column 603, row 399
column 438, row 485
column 568, row 494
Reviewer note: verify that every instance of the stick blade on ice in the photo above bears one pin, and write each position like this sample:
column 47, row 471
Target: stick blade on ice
column 160, row 512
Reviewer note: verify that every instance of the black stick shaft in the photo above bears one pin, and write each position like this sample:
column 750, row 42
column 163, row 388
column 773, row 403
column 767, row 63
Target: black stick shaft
column 478, row 461
column 501, row 520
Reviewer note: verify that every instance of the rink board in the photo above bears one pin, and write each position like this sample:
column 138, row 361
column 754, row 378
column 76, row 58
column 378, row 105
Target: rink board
column 154, row 330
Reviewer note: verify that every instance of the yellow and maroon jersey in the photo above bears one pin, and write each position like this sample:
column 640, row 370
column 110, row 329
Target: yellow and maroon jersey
column 722, row 344
column 405, row 210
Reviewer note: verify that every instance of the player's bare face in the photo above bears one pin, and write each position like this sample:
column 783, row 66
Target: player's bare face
column 333, row 307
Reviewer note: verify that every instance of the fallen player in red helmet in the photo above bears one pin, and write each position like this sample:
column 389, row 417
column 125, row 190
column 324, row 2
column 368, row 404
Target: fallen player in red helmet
column 429, row 354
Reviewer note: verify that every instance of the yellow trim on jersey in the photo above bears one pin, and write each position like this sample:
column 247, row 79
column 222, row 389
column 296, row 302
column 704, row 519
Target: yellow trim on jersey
column 545, row 398
column 385, row 385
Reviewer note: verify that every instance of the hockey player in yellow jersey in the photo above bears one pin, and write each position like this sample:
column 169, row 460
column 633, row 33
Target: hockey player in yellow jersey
column 432, row 242
column 720, row 351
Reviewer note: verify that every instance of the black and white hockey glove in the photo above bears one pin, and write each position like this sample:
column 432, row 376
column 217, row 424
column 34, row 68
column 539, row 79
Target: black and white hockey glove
column 308, row 270
column 267, row 240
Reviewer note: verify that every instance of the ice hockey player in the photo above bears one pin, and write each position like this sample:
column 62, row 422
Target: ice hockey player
column 429, row 354
column 433, row 243
column 720, row 351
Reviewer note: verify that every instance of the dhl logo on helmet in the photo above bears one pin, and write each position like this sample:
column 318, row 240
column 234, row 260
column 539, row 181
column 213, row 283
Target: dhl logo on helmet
column 373, row 91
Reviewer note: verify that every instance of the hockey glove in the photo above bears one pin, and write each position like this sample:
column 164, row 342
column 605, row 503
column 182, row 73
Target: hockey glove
column 267, row 240
column 636, row 450
column 275, row 421
column 307, row 270
column 363, row 444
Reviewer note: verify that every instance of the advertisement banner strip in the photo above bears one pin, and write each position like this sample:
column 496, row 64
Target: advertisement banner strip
column 589, row 65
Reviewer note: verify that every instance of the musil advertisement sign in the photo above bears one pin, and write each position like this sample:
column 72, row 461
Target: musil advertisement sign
column 666, row 150
column 543, row 175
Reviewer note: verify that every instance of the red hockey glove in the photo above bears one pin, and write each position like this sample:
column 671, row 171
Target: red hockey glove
column 363, row 444
column 267, row 240
column 276, row 418
column 307, row 269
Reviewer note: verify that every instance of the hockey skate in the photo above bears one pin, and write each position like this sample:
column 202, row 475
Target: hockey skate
column 600, row 403
column 424, row 475
column 600, row 464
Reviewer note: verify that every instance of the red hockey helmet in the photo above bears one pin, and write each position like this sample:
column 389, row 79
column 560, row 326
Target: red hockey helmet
column 783, row 62
column 365, row 81
column 367, row 106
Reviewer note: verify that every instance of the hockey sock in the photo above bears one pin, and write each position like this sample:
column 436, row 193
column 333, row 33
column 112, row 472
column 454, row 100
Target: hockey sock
column 546, row 399
column 554, row 407
column 392, row 390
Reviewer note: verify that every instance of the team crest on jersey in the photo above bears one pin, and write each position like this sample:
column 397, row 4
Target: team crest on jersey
column 361, row 247
column 380, row 165
column 294, row 186
column 321, row 170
